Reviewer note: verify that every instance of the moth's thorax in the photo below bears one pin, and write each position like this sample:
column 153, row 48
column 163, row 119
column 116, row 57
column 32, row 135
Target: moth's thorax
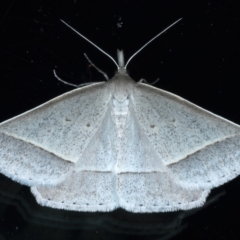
column 122, row 85
column 122, row 88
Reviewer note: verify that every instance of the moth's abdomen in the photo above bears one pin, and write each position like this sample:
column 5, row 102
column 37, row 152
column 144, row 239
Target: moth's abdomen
column 119, row 114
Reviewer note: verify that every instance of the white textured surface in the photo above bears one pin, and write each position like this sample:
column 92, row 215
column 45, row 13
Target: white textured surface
column 82, row 191
column 63, row 126
column 120, row 144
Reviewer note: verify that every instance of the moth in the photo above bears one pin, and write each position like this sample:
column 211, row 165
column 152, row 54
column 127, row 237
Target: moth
column 120, row 144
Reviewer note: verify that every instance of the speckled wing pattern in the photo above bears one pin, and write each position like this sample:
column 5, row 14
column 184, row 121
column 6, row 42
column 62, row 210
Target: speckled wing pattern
column 164, row 163
column 169, row 156
column 41, row 146
column 92, row 184
column 199, row 149
column 143, row 182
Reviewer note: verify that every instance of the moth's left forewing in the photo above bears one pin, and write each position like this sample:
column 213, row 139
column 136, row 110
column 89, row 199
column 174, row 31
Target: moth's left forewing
column 41, row 146
column 64, row 125
column 92, row 184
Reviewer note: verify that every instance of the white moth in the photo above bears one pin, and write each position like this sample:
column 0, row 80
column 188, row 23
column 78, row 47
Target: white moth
column 120, row 143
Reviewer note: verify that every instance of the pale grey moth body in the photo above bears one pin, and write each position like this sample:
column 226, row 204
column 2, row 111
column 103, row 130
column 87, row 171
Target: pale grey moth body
column 120, row 144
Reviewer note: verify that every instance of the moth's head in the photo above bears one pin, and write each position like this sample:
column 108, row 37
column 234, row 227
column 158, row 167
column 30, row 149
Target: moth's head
column 122, row 71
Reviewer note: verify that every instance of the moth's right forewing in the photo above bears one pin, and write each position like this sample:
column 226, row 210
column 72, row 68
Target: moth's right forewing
column 199, row 149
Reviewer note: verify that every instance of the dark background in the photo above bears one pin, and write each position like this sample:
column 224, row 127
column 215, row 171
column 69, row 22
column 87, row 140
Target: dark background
column 198, row 59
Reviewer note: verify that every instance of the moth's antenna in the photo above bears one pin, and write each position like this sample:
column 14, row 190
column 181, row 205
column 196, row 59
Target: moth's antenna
column 90, row 42
column 150, row 42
